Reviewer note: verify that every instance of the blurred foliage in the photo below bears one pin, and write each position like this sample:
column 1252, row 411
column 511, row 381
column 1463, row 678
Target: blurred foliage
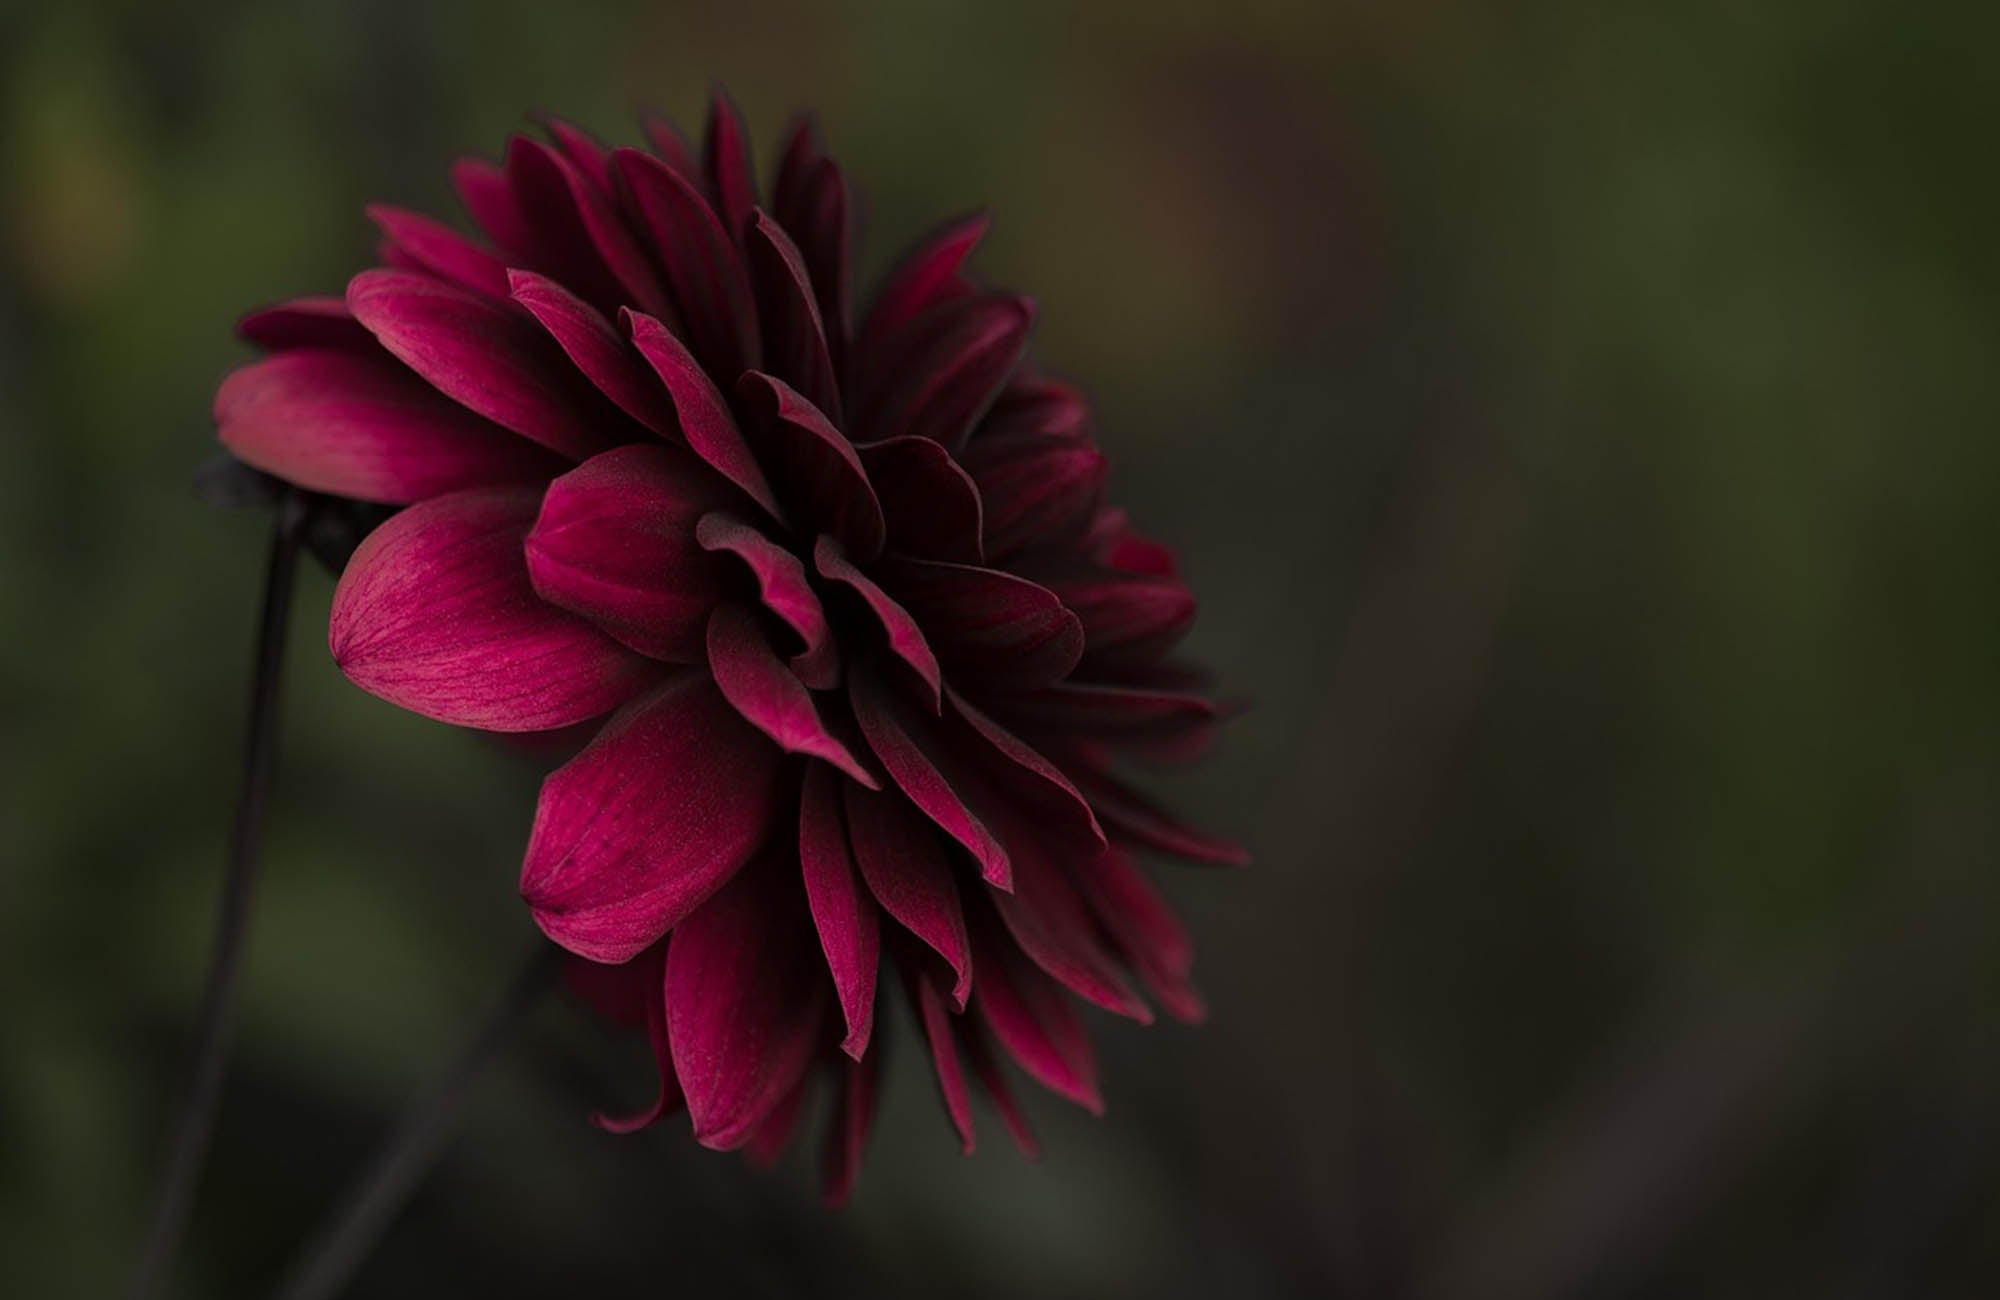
column 1580, row 423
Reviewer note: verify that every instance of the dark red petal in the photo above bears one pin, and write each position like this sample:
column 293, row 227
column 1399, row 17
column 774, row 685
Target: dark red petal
column 649, row 967
column 906, row 639
column 811, row 202
column 434, row 613
column 1032, row 780
column 928, row 275
column 1115, row 543
column 929, row 502
column 725, row 162
column 979, row 1052
column 1126, row 617
column 579, row 236
column 1036, row 489
column 817, row 474
column 843, row 911
column 704, row 268
column 616, row 543
column 1054, row 927
column 939, row 377
column 584, row 151
column 795, row 342
column 356, row 424
column 670, row 145
column 774, row 1132
column 847, row 1130
column 1132, row 816
column 744, row 1005
column 488, row 197
column 704, row 416
column 785, row 590
column 1145, row 930
column 910, row 874
column 605, row 356
column 439, row 249
column 489, row 357
column 1113, row 712
column 941, row 1035
column 764, row 691
column 1032, row 1019
column 1036, row 405
column 668, row 802
column 312, row 322
column 908, row 745
column 996, row 629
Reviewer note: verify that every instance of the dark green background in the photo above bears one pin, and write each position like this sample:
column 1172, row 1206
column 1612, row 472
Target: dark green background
column 1581, row 430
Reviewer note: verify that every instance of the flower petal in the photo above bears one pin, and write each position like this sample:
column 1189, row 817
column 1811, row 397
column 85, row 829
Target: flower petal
column 930, row 504
column 1032, row 1019
column 1036, row 489
column 670, row 145
column 1002, row 631
column 356, row 424
column 812, row 203
column 594, row 347
column 906, row 639
column 1133, row 817
column 766, row 693
column 666, row 804
column 910, row 874
column 310, row 322
column 584, row 150
column 705, row 420
column 774, row 1132
column 785, row 590
column 908, row 746
column 704, row 268
column 1145, row 930
column 439, row 249
column 488, row 197
column 844, row 913
column 648, row 970
column 434, row 613
column 616, row 543
column 725, row 163
column 488, row 357
column 986, row 1068
column 1035, row 404
column 579, row 237
column 744, row 1005
column 814, row 467
column 1031, row 780
column 940, row 1034
column 940, row 375
column 1053, row 926
column 795, row 341
column 1126, row 617
column 847, row 1129
column 927, row 276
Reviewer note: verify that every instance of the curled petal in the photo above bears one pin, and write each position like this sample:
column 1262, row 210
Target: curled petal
column 705, row 420
column 310, row 322
column 1036, row 489
column 664, row 806
column 767, row 694
column 815, row 467
column 785, row 590
column 930, row 504
column 910, row 875
column 439, row 249
column 843, row 910
column 1126, row 617
column 579, row 236
column 1138, row 820
column 1002, row 631
column 910, row 749
column 648, row 973
column 795, row 341
column 1030, row 779
column 594, row 347
column 937, row 382
column 1053, row 926
column 929, row 275
column 1031, row 1018
column 906, row 638
column 355, row 424
column 704, row 267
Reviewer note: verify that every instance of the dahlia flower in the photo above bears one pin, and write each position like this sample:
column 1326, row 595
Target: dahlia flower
column 862, row 644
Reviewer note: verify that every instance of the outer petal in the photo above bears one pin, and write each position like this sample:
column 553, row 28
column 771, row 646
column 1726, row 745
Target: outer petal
column 847, row 1130
column 785, row 590
column 604, row 355
column 486, row 356
column 1054, row 927
column 909, row 748
column 941, row 1035
column 795, row 340
column 1145, row 930
column 439, row 249
column 435, row 613
column 744, row 1005
column 579, row 237
column 767, row 694
column 616, row 543
column 356, row 424
column 1001, row 631
column 906, row 638
column 1031, row 780
column 931, row 504
column 940, row 379
column 1140, row 821
column 811, row 202
column 1032, row 1019
column 1127, row 618
column 843, row 911
column 704, row 417
column 817, row 472
column 631, row 835
column 310, row 322
column 1037, row 489
column 979, row 1053
column 725, row 162
column 928, row 275
column 704, row 266
column 910, row 875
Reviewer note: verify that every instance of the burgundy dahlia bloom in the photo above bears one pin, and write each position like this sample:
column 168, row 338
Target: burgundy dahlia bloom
column 867, row 645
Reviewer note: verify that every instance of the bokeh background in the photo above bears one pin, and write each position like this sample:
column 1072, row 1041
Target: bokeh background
column 1580, row 425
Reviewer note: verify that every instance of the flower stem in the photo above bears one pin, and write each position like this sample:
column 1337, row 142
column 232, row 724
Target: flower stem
column 197, row 1115
column 344, row 1239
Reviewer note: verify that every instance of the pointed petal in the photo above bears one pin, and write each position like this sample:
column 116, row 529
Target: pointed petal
column 704, row 268
column 1053, row 926
column 744, row 1005
column 439, row 249
column 705, row 420
column 909, row 873
column 817, row 474
column 785, row 590
column 489, row 199
column 579, row 236
column 986, row 1068
column 670, row 145
column 356, row 424
column 843, row 911
column 908, row 746
column 847, row 1131
column 1036, row 490
column 774, row 1132
column 1033, row 404
column 767, row 694
column 1002, row 631
column 906, row 639
column 1132, row 816
column 939, row 1033
column 434, row 613
column 929, row 503
column 616, row 543
column 488, row 357
column 584, row 150
column 928, row 275
column 1029, row 779
column 795, row 341
column 311, row 322
column 631, row 835
column 1118, row 545
column 725, row 162
column 812, row 203
column 594, row 347
column 649, row 969
column 939, row 376
column 1145, row 930
column 1127, row 618
column 1033, row 1021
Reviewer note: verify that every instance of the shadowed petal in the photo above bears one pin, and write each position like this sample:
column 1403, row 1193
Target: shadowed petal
column 584, row 150
column 725, row 163
column 774, row 1132
column 616, row 543
column 705, row 420
column 668, row 802
column 843, row 911
column 815, row 468
column 1037, row 405
column 795, row 343
column 1053, row 926
column 579, row 236
column 927, row 276
column 670, row 145
column 767, row 694
column 605, row 356
column 906, row 639
column 1002, row 631
column 1036, row 489
column 939, row 375
column 704, row 267
column 1032, row 1019
column 909, row 873
column 785, row 590
column 941, row 1035
column 1140, row 821
column 435, row 613
column 908, row 746
column 648, row 970
column 847, row 1128
column 439, row 249
column 812, row 203
column 489, row 199
column 745, row 1005
column 986, row 1068
column 1031, row 780
column 310, row 322
column 1126, row 617
column 929, row 502
column 1147, row 933
column 356, row 424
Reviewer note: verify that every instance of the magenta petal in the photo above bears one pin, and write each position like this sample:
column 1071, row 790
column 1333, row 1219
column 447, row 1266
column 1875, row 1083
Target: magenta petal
column 667, row 803
column 785, row 590
column 584, row 151
column 928, row 275
column 705, row 420
column 1032, row 780
column 725, row 162
column 605, row 356
column 768, row 695
column 439, row 249
column 311, row 322
column 906, row 638
column 704, row 268
column 908, row 747
column 580, row 237
column 930, row 504
column 1036, row 489
column 616, row 543
column 1053, row 926
column 356, row 424
column 1033, row 1020
column 1005, row 632
column 938, row 383
column 488, row 197
column 847, row 1129
column 940, row 1034
column 986, row 1068
column 667, row 1097
column 670, row 145
column 910, row 874
column 843, row 911
column 1137, row 819
column 1127, row 618
column 811, row 202
column 795, row 342
column 489, row 357
column 815, row 467
column 1145, row 929
column 744, row 1005
column 774, row 1132
column 435, row 613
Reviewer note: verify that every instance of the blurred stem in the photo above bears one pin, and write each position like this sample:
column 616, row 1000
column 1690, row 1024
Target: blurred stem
column 197, row 1115
column 347, row 1236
